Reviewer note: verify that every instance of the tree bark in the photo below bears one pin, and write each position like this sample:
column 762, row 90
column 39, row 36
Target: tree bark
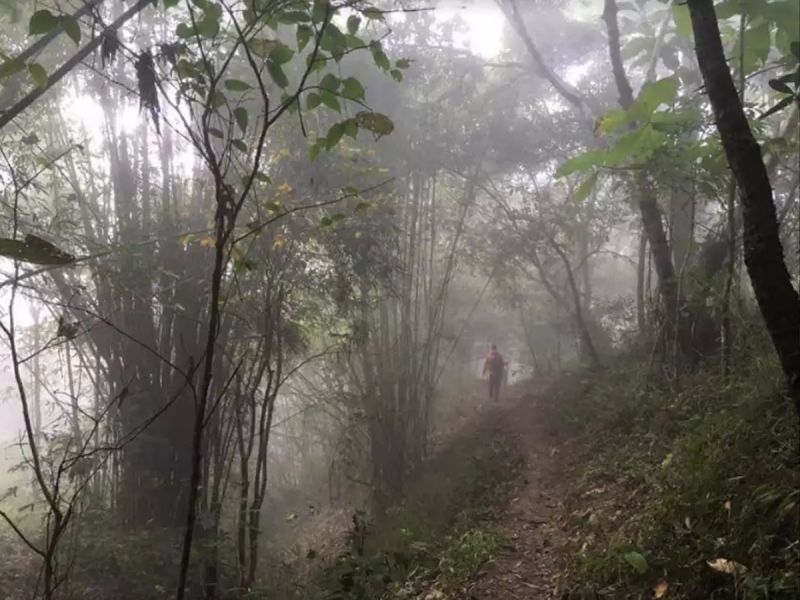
column 763, row 253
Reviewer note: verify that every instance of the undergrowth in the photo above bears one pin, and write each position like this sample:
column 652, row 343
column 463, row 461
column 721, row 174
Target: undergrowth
column 684, row 491
column 437, row 535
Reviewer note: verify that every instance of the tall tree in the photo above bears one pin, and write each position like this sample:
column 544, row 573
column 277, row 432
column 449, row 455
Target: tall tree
column 763, row 253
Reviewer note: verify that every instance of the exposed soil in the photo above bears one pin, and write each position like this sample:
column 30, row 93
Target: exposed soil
column 530, row 562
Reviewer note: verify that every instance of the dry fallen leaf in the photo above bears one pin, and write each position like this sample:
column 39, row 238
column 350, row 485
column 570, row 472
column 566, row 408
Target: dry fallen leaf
column 660, row 588
column 730, row 567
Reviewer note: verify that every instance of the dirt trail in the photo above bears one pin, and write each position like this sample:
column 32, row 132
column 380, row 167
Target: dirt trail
column 529, row 564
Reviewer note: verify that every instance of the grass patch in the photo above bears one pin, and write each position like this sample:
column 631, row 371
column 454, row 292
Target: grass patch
column 694, row 488
column 433, row 535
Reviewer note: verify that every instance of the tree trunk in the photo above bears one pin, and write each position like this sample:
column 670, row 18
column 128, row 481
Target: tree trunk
column 763, row 254
column 675, row 329
column 641, row 318
column 587, row 345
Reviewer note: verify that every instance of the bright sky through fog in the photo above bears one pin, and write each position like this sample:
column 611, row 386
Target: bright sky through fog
column 484, row 22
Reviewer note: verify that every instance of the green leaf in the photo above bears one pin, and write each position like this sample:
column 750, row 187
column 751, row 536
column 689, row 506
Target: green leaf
column 184, row 31
column 757, row 44
column 683, row 21
column 396, row 74
column 585, row 188
column 330, row 82
column 377, row 123
column 380, row 58
column 263, row 177
column 316, row 64
column 274, row 207
column 34, row 250
column 581, row 162
column 72, row 28
column 677, row 120
column 316, row 147
column 351, row 128
column 38, row 74
column 373, row 13
column 304, row 33
column 333, row 136
column 42, row 21
column 333, row 41
column 312, row 101
column 784, row 14
column 659, row 92
column 320, row 11
column 403, row 63
column 11, row 67
column 639, row 144
column 186, row 69
column 170, row 4
column 352, row 88
column 214, row 132
column 293, row 16
column 787, row 101
column 637, row 561
column 243, row 264
column 208, row 26
column 218, row 99
column 237, row 85
column 780, row 86
column 353, row 23
column 261, row 47
column 281, row 54
column 612, row 121
column 276, row 72
column 239, row 145
column 353, row 42
column 330, row 100
column 241, row 116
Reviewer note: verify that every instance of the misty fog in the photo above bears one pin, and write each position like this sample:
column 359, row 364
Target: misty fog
column 334, row 299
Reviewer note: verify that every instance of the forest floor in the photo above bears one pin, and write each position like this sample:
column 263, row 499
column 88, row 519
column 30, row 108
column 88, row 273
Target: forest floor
column 529, row 562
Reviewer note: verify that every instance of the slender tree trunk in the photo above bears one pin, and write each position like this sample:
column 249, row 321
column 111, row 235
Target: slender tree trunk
column 641, row 299
column 648, row 206
column 763, row 253
column 583, row 330
column 730, row 276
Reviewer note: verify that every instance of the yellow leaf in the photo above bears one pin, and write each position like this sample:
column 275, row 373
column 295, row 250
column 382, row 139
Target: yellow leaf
column 280, row 241
column 660, row 588
column 284, row 188
column 207, row 241
column 730, row 567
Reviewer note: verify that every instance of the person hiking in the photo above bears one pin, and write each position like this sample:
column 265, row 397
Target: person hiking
column 495, row 366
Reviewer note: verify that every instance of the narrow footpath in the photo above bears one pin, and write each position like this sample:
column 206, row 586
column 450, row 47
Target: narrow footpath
column 530, row 561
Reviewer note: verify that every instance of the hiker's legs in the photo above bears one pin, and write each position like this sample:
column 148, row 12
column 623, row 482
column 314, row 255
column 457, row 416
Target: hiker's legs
column 494, row 387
